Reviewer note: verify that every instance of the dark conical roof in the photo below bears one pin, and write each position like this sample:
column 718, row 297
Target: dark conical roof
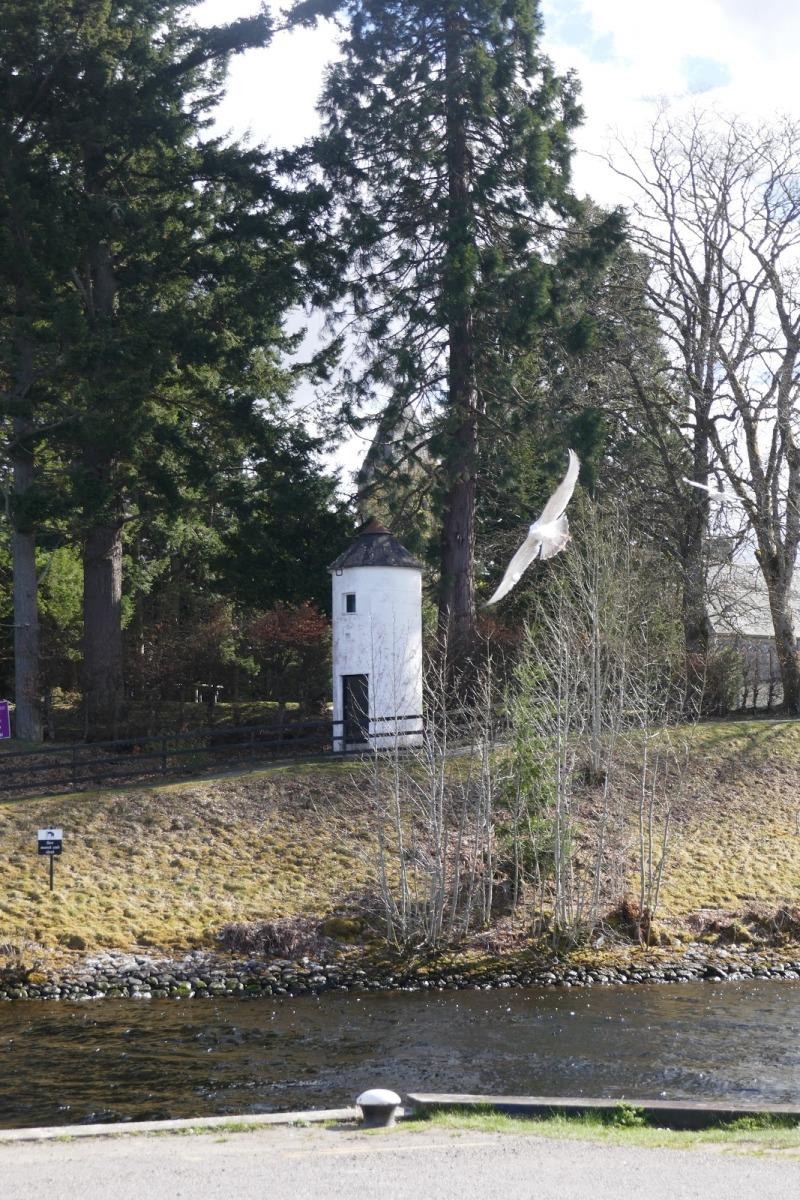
column 375, row 547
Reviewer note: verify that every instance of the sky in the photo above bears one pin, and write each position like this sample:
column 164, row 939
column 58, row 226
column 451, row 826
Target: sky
column 631, row 56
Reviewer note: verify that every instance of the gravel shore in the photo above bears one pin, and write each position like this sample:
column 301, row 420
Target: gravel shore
column 203, row 974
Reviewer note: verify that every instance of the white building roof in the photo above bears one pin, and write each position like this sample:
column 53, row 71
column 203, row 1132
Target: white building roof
column 738, row 604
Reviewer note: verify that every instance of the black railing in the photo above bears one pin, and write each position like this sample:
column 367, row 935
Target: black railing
column 74, row 766
column 354, row 734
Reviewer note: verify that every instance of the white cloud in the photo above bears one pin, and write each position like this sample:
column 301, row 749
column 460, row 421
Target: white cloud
column 773, row 24
column 754, row 45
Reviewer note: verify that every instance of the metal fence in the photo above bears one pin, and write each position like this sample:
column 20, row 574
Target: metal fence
column 75, row 766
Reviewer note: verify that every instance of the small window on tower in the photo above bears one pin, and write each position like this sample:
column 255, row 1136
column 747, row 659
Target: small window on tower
column 349, row 602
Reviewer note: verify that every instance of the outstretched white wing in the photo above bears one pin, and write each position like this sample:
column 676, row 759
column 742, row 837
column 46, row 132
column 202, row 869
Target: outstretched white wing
column 518, row 565
column 547, row 536
column 557, row 504
column 703, row 487
column 713, row 493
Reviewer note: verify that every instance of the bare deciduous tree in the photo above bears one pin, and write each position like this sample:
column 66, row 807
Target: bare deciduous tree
column 553, row 806
column 718, row 216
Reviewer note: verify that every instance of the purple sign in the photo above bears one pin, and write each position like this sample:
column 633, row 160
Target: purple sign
column 5, row 720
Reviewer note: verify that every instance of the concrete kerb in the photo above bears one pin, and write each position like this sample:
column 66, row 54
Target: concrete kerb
column 178, row 1125
column 670, row 1114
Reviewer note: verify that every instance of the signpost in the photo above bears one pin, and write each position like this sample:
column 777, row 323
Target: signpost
column 51, row 843
column 5, row 720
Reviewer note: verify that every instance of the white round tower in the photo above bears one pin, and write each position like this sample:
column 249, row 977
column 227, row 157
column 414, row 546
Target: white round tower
column 377, row 643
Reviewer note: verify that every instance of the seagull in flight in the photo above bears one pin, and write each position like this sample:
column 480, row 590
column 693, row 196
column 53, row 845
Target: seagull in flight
column 713, row 493
column 547, row 536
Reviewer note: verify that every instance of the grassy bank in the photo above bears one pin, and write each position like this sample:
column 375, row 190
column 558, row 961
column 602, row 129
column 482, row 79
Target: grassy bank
column 749, row 1135
column 168, row 866
column 737, row 840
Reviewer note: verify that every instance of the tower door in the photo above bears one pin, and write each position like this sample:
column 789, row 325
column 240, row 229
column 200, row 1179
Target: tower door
column 355, row 696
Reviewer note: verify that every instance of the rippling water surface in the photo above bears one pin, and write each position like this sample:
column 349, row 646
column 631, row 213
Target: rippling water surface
column 136, row 1060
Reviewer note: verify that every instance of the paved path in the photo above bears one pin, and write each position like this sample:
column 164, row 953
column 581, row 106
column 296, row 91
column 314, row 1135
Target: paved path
column 305, row 1164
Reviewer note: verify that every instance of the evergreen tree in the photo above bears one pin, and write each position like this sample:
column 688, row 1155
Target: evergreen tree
column 279, row 524
column 178, row 255
column 446, row 138
column 596, row 383
column 33, row 377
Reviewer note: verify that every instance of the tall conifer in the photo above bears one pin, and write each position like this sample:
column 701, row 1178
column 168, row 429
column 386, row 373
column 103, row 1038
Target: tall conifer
column 446, row 137
column 179, row 254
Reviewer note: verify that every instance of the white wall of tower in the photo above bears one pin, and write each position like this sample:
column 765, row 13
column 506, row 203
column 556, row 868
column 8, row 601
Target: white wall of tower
column 382, row 639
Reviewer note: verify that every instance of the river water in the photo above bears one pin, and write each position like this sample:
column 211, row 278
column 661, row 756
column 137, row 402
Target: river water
column 137, row 1060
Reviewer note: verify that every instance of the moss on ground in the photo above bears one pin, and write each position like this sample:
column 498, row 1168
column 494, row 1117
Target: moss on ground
column 167, row 866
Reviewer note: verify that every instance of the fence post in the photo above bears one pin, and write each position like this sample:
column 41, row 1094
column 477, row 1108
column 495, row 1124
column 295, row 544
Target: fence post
column 74, row 770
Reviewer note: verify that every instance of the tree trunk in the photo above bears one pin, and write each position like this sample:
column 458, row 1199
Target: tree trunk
column 28, row 716
column 697, row 631
column 696, row 624
column 457, row 595
column 457, row 601
column 102, row 631
column 779, row 584
column 103, row 692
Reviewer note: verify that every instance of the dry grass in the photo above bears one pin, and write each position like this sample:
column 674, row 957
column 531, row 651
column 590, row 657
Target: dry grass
column 737, row 843
column 169, row 866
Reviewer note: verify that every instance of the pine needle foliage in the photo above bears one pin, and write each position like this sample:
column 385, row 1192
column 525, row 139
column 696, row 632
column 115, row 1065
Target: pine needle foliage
column 446, row 140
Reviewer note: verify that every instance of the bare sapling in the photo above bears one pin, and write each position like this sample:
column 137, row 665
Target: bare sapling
column 660, row 753
column 433, row 807
column 597, row 668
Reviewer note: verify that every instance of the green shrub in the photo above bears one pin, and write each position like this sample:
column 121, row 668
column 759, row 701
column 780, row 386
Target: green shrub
column 627, row 1116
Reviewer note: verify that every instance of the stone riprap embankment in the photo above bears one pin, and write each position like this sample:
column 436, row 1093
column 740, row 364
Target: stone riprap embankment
column 200, row 974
